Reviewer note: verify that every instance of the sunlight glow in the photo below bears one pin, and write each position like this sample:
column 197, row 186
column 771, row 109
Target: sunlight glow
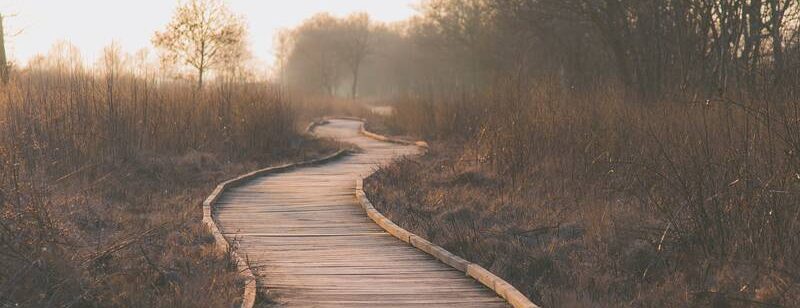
column 93, row 24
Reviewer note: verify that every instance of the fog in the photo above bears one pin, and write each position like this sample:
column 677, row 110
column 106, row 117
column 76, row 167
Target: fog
column 93, row 24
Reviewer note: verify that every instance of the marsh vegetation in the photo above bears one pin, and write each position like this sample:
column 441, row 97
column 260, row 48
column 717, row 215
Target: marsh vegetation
column 590, row 152
column 597, row 153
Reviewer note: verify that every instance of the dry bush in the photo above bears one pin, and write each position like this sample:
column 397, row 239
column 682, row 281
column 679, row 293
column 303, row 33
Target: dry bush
column 102, row 176
column 587, row 199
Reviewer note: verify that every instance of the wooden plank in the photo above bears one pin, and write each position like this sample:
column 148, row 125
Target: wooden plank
column 311, row 244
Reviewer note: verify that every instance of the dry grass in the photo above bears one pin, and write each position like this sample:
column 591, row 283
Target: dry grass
column 102, row 178
column 593, row 199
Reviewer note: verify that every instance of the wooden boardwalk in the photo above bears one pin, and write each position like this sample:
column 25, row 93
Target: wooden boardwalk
column 313, row 245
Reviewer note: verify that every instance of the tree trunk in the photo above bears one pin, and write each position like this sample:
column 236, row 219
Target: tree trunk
column 200, row 72
column 777, row 37
column 621, row 61
column 202, row 67
column 3, row 61
column 354, row 90
column 613, row 28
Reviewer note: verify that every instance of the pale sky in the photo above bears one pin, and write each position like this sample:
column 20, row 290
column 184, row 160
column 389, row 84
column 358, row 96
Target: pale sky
column 93, row 24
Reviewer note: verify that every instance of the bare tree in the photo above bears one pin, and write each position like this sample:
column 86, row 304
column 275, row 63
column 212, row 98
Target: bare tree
column 355, row 45
column 3, row 60
column 283, row 43
column 202, row 34
column 314, row 59
column 111, row 66
column 778, row 9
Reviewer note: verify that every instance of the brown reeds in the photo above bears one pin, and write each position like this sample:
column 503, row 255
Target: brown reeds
column 591, row 198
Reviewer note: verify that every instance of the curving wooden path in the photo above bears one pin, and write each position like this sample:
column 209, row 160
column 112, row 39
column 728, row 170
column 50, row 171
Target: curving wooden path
column 312, row 245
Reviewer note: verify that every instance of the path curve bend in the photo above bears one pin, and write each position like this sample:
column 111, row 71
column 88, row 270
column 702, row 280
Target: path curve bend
column 310, row 243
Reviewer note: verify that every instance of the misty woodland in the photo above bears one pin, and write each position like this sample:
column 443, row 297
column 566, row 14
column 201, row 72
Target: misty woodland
column 591, row 153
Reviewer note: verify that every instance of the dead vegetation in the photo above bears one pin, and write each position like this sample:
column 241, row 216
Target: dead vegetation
column 594, row 200
column 602, row 152
column 103, row 173
column 591, row 152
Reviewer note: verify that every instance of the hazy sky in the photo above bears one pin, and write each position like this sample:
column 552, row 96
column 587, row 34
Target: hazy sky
column 93, row 24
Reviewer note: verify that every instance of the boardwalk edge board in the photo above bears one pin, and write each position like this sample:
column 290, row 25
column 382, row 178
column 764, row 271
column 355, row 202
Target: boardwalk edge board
column 222, row 243
column 485, row 277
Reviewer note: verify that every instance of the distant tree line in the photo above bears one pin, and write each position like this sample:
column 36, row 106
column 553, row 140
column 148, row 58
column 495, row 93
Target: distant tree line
column 319, row 54
column 680, row 115
column 651, row 47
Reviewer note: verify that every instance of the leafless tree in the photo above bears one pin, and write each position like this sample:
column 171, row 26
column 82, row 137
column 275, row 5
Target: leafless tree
column 3, row 60
column 111, row 66
column 778, row 10
column 314, row 61
column 355, row 45
column 283, row 43
column 202, row 34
